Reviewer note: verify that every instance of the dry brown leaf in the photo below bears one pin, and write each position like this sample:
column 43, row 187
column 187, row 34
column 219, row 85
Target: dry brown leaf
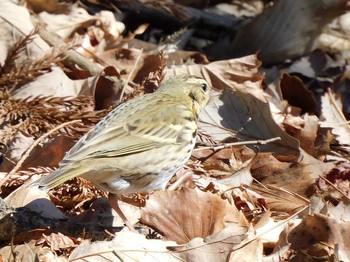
column 66, row 24
column 248, row 116
column 317, row 63
column 280, row 201
column 308, row 137
column 216, row 247
column 20, row 143
column 225, row 161
column 15, row 23
column 60, row 86
column 335, row 185
column 50, row 154
column 335, row 36
column 251, row 252
column 240, row 73
column 241, row 177
column 187, row 213
column 58, row 241
column 321, row 235
column 335, row 119
column 101, row 213
column 339, row 212
column 296, row 93
column 28, row 252
column 237, row 74
column 124, row 59
column 101, row 28
column 277, row 34
column 54, row 6
column 106, row 88
column 151, row 64
column 35, row 200
column 297, row 177
column 126, row 247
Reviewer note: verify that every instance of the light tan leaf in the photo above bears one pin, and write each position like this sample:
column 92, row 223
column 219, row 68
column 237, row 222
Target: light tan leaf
column 126, row 247
column 296, row 177
column 335, row 36
column 240, row 177
column 280, row 200
column 29, row 252
column 308, row 135
column 216, row 247
column 250, row 118
column 340, row 211
column 15, row 23
column 101, row 213
column 187, row 213
column 60, row 86
column 277, row 35
column 35, row 200
column 334, row 118
column 65, row 24
column 251, row 252
column 237, row 74
column 58, row 241
column 19, row 145
column 321, row 234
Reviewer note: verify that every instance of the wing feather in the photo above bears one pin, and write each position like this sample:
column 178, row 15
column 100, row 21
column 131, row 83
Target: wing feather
column 161, row 125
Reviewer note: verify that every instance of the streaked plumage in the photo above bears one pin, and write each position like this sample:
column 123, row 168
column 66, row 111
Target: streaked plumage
column 139, row 145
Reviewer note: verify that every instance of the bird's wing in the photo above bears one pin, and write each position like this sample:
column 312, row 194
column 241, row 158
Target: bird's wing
column 158, row 122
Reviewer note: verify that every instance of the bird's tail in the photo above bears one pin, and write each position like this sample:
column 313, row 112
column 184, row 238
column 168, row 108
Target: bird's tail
column 58, row 177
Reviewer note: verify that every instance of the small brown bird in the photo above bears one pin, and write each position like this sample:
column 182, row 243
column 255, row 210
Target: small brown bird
column 139, row 145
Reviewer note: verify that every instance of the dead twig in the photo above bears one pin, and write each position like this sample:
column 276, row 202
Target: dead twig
column 129, row 76
column 254, row 142
column 30, row 149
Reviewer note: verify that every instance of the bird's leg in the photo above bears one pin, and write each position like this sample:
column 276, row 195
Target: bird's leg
column 113, row 201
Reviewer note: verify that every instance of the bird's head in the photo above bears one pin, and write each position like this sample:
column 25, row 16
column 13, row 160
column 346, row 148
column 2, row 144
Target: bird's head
column 192, row 90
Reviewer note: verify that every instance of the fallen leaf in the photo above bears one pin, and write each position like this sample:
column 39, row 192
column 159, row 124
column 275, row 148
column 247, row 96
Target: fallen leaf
column 335, row 118
column 319, row 229
column 35, row 200
column 297, row 177
column 216, row 247
column 101, row 213
column 296, row 93
column 57, row 241
column 311, row 138
column 29, row 252
column 126, row 247
column 187, row 213
column 66, row 24
column 15, row 23
column 250, row 119
column 60, row 86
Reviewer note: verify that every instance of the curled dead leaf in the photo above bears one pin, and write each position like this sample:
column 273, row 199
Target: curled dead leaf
column 319, row 229
column 187, row 213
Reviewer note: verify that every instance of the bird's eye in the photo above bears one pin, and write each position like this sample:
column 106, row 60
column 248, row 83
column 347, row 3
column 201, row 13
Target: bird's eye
column 204, row 87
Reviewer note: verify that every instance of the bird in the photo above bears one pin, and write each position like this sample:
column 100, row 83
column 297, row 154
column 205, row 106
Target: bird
column 140, row 144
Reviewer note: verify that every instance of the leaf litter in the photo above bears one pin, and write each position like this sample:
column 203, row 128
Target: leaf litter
column 283, row 200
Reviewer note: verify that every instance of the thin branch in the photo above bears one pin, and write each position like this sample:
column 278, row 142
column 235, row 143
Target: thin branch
column 73, row 57
column 335, row 187
column 254, row 142
column 130, row 74
column 30, row 149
